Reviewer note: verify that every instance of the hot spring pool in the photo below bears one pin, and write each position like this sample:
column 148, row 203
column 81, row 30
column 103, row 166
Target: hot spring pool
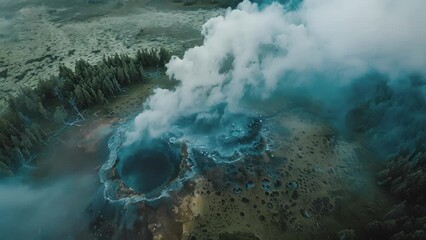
column 146, row 167
column 150, row 169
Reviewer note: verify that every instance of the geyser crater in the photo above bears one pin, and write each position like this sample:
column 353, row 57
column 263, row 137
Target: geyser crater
column 149, row 169
column 147, row 166
column 146, row 170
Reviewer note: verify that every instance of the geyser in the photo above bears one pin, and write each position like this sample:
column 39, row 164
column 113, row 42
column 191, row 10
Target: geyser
column 146, row 170
column 148, row 166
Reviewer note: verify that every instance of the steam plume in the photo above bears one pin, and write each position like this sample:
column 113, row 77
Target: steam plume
column 252, row 51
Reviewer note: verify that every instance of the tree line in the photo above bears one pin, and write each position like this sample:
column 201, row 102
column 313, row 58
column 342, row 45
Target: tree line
column 67, row 93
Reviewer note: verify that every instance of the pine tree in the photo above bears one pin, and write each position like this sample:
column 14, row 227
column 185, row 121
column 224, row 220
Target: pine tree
column 37, row 131
column 26, row 142
column 79, row 96
column 164, row 56
column 31, row 136
column 13, row 129
column 87, row 98
column 15, row 140
column 101, row 97
column 120, row 75
column 94, row 95
column 42, row 111
column 24, row 119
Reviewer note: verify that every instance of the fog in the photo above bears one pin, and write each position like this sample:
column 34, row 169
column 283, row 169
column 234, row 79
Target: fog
column 54, row 210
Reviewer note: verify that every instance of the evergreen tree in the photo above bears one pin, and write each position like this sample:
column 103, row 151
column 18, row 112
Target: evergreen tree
column 37, row 131
column 77, row 88
column 101, row 97
column 43, row 111
column 87, row 97
column 31, row 136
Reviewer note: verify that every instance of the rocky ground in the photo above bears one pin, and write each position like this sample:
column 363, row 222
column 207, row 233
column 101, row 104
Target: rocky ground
column 312, row 186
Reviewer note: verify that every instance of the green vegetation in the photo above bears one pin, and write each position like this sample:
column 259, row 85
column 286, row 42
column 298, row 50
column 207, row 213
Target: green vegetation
column 405, row 178
column 221, row 3
column 24, row 126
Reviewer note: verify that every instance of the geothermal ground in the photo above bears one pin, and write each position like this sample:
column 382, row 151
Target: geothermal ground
column 209, row 157
column 301, row 181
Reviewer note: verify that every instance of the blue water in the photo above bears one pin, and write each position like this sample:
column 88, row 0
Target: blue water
column 148, row 166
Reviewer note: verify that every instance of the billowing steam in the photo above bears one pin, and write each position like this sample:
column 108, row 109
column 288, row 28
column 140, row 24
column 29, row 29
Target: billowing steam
column 317, row 50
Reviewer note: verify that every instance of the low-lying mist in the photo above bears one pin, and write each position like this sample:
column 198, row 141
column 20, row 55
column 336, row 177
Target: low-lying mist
column 52, row 210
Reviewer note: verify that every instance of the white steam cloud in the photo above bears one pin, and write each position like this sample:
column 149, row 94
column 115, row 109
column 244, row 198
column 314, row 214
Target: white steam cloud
column 250, row 50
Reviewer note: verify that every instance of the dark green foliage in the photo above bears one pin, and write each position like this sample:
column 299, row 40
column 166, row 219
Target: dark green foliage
column 16, row 140
column 189, row 2
column 405, row 177
column 66, row 94
column 152, row 58
column 288, row 4
column 28, row 102
column 164, row 56
column 46, row 89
